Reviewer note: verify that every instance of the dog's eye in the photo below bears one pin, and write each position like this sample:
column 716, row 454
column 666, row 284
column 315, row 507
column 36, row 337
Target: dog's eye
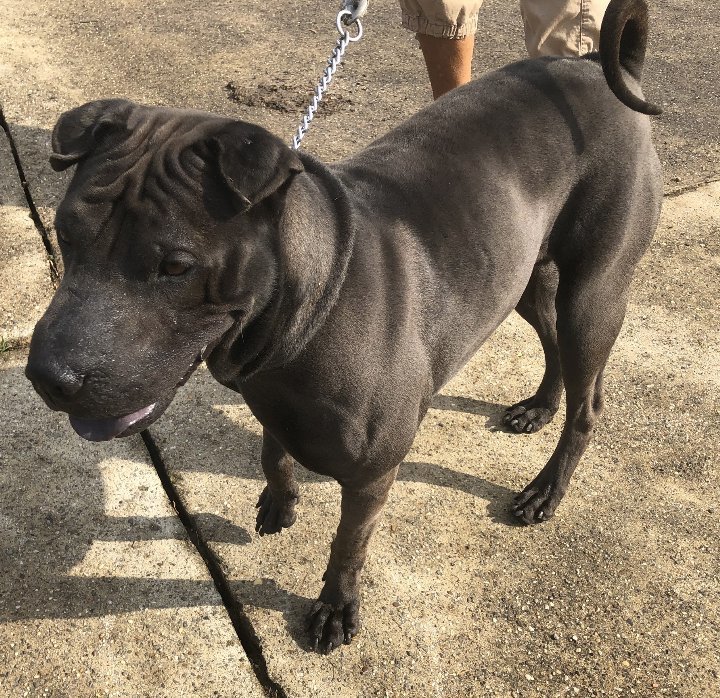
column 174, row 267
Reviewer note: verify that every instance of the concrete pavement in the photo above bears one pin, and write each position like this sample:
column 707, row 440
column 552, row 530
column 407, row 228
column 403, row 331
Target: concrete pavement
column 620, row 594
column 101, row 593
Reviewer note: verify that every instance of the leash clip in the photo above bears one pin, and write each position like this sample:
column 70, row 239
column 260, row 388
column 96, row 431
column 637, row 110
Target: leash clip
column 345, row 19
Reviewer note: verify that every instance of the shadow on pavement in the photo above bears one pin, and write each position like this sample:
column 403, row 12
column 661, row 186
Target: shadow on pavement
column 53, row 509
column 499, row 498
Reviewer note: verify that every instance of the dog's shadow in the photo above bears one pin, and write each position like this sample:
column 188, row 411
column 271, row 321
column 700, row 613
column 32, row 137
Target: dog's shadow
column 498, row 498
column 492, row 411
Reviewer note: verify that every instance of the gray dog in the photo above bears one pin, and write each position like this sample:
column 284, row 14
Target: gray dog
column 338, row 300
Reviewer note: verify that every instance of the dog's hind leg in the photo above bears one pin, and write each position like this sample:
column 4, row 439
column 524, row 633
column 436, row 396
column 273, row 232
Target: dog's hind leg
column 276, row 506
column 590, row 311
column 537, row 306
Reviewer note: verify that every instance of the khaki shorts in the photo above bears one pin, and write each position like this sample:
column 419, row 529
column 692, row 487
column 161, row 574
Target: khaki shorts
column 552, row 27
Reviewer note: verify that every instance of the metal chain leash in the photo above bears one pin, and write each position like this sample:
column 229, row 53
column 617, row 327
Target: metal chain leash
column 332, row 65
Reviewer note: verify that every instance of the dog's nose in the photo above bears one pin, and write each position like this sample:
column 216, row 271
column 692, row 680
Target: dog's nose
column 55, row 383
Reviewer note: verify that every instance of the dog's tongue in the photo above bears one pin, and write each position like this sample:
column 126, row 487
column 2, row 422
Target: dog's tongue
column 106, row 429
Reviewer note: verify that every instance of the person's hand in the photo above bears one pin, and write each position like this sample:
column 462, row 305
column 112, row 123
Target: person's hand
column 357, row 7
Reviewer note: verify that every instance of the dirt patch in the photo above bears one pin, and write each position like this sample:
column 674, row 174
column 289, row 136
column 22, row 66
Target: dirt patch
column 286, row 99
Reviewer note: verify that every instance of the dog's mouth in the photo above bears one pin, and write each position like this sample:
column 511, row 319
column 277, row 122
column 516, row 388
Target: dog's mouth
column 129, row 424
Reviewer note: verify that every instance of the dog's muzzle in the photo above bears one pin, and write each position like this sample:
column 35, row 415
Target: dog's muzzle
column 104, row 429
column 108, row 428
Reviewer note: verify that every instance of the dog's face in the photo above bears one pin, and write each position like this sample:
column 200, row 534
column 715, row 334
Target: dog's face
column 166, row 234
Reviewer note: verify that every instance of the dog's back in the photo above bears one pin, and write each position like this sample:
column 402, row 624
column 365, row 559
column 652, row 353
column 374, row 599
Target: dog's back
column 472, row 191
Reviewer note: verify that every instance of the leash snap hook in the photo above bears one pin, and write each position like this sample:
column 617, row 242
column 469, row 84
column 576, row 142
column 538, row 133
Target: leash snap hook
column 343, row 23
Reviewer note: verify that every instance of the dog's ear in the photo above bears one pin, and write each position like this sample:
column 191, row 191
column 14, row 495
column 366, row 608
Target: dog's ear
column 252, row 162
column 79, row 130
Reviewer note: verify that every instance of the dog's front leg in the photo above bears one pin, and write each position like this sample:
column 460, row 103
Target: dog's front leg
column 335, row 617
column 276, row 506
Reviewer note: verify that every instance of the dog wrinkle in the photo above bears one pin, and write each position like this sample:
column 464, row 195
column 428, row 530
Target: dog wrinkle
column 152, row 167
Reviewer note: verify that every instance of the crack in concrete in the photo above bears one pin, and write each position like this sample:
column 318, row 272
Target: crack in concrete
column 241, row 623
column 243, row 627
column 34, row 214
column 689, row 187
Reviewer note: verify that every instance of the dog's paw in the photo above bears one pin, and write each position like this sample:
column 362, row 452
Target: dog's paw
column 538, row 501
column 331, row 625
column 528, row 416
column 273, row 516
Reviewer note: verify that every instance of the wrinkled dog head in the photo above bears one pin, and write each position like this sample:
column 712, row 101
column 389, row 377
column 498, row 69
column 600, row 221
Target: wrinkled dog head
column 166, row 237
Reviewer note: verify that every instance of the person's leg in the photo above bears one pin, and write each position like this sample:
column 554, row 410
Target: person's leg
column 562, row 27
column 445, row 30
column 448, row 61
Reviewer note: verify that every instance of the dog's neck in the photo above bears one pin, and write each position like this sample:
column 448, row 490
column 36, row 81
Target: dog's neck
column 315, row 241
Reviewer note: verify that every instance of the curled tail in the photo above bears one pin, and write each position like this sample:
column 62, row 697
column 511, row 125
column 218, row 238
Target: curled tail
column 623, row 38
